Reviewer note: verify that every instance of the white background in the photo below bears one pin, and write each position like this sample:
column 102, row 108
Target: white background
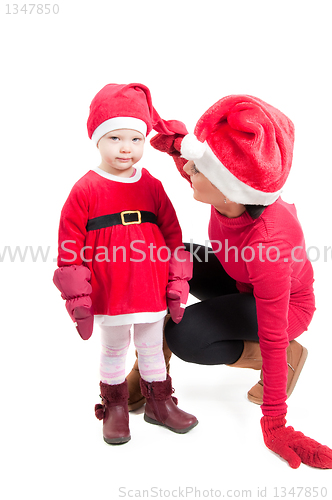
column 190, row 54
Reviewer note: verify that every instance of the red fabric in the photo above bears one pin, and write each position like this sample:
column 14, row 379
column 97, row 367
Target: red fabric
column 180, row 272
column 78, row 302
column 132, row 100
column 171, row 144
column 180, row 265
column 122, row 286
column 73, row 283
column 251, row 138
column 283, row 289
column 294, row 446
column 83, row 315
column 177, row 294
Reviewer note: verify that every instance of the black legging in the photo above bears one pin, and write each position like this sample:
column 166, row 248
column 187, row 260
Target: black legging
column 212, row 331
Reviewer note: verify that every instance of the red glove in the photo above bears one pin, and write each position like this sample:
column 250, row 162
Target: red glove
column 177, row 291
column 73, row 283
column 171, row 144
column 294, row 446
column 81, row 312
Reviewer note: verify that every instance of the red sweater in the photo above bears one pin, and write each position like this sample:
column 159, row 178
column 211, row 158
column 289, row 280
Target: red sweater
column 268, row 259
column 128, row 263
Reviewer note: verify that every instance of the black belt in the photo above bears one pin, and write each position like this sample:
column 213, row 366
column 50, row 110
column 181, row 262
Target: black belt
column 125, row 218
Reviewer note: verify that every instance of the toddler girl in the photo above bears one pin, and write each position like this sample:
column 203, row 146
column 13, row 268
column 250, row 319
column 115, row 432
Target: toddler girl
column 121, row 259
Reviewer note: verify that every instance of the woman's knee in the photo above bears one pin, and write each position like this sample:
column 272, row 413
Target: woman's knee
column 178, row 341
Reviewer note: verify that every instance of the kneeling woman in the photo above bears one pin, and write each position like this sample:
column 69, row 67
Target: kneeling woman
column 256, row 290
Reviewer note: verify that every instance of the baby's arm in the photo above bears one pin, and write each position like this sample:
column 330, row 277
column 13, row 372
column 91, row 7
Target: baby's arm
column 72, row 277
column 180, row 263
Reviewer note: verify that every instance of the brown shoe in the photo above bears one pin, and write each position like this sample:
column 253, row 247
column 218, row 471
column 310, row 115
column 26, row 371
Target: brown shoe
column 114, row 413
column 251, row 356
column 161, row 409
column 136, row 400
column 296, row 357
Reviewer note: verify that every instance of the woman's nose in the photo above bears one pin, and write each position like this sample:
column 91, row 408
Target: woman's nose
column 188, row 166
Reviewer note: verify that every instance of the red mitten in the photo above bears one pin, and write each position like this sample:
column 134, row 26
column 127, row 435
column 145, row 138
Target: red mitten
column 81, row 312
column 294, row 446
column 177, row 295
column 171, row 144
column 73, row 283
column 180, row 272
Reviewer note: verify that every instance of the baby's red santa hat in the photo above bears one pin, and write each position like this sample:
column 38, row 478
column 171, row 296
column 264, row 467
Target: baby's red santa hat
column 118, row 106
column 244, row 147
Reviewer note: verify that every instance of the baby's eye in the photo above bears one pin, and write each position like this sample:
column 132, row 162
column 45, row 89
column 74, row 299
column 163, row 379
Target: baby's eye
column 114, row 138
column 136, row 139
column 194, row 169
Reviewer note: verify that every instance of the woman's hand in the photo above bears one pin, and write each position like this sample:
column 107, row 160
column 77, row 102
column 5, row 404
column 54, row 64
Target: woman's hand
column 171, row 144
column 294, row 446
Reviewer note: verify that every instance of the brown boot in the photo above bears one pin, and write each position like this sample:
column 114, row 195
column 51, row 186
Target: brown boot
column 136, row 400
column 161, row 409
column 114, row 413
column 251, row 356
column 296, row 357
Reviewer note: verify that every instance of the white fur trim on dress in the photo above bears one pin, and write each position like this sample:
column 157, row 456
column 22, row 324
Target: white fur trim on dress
column 210, row 166
column 116, row 178
column 129, row 319
column 118, row 123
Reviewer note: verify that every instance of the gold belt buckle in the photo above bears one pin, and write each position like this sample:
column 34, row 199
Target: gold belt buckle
column 131, row 212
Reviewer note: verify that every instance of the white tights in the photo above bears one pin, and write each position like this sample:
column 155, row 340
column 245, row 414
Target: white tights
column 148, row 340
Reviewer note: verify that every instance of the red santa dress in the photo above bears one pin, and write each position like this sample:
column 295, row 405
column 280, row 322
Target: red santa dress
column 124, row 230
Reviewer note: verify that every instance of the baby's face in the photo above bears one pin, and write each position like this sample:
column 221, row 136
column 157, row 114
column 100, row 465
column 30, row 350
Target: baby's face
column 120, row 150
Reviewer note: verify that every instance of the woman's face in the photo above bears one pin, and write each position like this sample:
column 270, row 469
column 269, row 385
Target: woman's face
column 204, row 190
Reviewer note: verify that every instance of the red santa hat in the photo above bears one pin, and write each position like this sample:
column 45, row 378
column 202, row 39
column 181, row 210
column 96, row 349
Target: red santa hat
column 244, row 147
column 118, row 106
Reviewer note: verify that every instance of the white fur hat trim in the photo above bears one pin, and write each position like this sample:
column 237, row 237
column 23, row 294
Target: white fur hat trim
column 116, row 123
column 210, row 166
column 192, row 148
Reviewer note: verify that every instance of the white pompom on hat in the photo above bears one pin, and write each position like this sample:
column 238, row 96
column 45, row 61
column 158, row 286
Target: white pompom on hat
column 118, row 106
column 244, row 146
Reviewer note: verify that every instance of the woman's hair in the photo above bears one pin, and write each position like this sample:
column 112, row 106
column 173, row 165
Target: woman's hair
column 255, row 211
